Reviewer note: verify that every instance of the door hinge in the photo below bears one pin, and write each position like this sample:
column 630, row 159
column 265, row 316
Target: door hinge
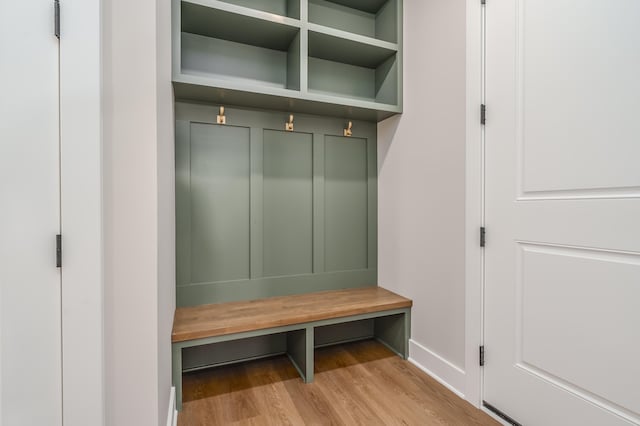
column 483, row 236
column 56, row 23
column 481, row 356
column 58, row 251
column 483, row 114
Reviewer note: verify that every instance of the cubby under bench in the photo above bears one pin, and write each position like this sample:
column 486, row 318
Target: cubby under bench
column 298, row 316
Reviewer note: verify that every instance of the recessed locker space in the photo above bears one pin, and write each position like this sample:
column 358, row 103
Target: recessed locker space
column 264, row 212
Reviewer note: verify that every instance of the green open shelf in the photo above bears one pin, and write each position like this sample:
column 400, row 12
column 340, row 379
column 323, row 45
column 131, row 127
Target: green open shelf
column 372, row 18
column 261, row 54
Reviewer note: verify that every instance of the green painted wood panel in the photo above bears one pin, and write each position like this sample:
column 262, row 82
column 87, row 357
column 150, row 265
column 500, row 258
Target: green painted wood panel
column 340, row 333
column 198, row 357
column 293, row 8
column 346, row 203
column 287, row 186
column 183, row 202
column 257, row 204
column 217, row 23
column 372, row 202
column 374, row 19
column 293, row 64
column 337, row 78
column 287, row 203
column 344, row 18
column 324, row 45
column 290, row 8
column 264, row 54
column 257, row 288
column 219, row 193
column 234, row 61
column 318, row 203
column 370, row 6
column 386, row 81
column 191, row 88
column 387, row 22
column 223, row 353
column 394, row 331
column 297, row 350
column 379, row 84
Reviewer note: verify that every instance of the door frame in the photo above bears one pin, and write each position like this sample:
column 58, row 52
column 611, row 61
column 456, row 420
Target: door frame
column 474, row 202
column 81, row 205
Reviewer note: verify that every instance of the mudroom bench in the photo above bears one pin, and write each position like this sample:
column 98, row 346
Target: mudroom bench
column 297, row 316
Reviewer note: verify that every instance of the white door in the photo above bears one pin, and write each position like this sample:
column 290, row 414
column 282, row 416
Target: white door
column 30, row 327
column 562, row 271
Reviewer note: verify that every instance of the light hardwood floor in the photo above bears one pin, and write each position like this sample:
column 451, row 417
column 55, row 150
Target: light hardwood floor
column 360, row 383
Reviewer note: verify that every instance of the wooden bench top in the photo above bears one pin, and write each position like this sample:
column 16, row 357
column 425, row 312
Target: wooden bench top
column 195, row 322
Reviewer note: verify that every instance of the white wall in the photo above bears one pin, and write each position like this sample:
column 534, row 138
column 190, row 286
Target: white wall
column 138, row 211
column 421, row 158
column 166, row 204
column 81, row 206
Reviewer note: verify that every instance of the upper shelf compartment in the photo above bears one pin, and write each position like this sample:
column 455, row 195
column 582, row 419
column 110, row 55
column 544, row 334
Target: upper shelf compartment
column 352, row 69
column 341, row 57
column 233, row 45
column 371, row 18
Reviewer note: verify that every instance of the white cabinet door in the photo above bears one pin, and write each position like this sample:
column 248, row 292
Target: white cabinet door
column 562, row 283
column 30, row 345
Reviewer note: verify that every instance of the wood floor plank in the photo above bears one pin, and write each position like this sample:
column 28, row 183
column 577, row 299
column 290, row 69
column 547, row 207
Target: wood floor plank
column 361, row 383
column 276, row 406
column 196, row 322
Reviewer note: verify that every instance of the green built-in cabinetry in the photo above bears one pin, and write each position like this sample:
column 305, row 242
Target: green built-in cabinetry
column 262, row 212
column 341, row 58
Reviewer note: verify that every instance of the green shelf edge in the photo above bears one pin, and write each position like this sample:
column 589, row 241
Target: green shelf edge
column 245, row 11
column 282, row 100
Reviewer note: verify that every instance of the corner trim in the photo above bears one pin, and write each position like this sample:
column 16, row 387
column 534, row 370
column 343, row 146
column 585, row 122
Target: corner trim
column 172, row 415
column 446, row 373
column 474, row 201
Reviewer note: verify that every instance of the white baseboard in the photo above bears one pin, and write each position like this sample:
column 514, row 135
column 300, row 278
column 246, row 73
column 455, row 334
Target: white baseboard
column 449, row 375
column 172, row 416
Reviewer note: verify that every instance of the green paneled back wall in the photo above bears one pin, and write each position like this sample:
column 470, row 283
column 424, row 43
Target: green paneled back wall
column 263, row 212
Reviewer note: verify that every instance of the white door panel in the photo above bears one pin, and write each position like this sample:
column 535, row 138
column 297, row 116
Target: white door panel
column 30, row 327
column 562, row 261
column 563, row 334
column 577, row 72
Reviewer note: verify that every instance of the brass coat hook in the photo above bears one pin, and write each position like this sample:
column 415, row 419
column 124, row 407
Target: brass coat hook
column 288, row 126
column 348, row 131
column 221, row 117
